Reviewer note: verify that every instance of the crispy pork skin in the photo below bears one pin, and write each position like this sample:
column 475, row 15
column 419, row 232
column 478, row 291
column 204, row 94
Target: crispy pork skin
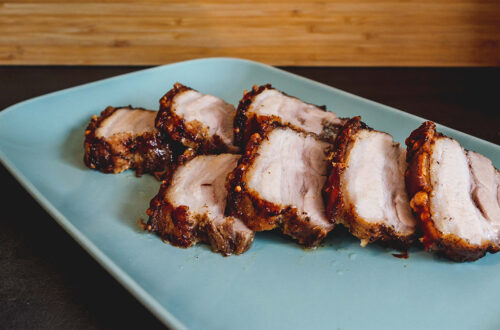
column 366, row 190
column 278, row 182
column 265, row 107
column 455, row 194
column 189, row 208
column 125, row 137
column 201, row 122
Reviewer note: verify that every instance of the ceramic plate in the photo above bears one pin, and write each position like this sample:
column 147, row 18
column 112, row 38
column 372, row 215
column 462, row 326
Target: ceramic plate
column 276, row 284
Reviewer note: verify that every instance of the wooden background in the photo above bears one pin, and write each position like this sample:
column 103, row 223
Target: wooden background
column 286, row 32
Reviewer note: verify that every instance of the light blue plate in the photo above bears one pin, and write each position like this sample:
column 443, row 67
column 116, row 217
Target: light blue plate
column 276, row 284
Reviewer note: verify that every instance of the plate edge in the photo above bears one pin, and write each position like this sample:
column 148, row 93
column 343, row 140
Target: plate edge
column 262, row 65
column 157, row 309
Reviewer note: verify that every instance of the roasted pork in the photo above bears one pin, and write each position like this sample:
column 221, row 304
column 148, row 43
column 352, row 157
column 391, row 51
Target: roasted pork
column 366, row 188
column 125, row 137
column 278, row 182
column 265, row 107
column 189, row 207
column 455, row 193
column 201, row 122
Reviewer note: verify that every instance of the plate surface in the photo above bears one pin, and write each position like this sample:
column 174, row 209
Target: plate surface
column 276, row 284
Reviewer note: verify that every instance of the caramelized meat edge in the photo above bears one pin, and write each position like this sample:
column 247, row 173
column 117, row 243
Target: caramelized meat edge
column 338, row 210
column 180, row 227
column 262, row 215
column 193, row 134
column 247, row 123
column 418, row 182
column 150, row 152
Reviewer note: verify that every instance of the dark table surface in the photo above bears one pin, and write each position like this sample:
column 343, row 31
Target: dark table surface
column 48, row 281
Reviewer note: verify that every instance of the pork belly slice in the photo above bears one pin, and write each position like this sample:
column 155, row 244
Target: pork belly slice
column 265, row 106
column 366, row 187
column 201, row 122
column 125, row 137
column 189, row 208
column 278, row 182
column 455, row 193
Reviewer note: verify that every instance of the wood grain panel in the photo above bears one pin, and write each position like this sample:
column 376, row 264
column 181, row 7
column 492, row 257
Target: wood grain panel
column 291, row 32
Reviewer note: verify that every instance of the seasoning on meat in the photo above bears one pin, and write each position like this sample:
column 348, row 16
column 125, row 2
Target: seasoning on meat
column 125, row 137
column 265, row 107
column 189, row 208
column 455, row 193
column 201, row 122
column 366, row 188
column 277, row 184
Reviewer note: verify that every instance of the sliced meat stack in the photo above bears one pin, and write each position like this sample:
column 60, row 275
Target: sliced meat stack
column 278, row 182
column 265, row 106
column 366, row 188
column 201, row 122
column 189, row 208
column 126, row 137
column 455, row 193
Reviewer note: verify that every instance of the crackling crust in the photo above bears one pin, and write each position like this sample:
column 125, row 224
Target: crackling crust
column 180, row 228
column 418, row 182
column 262, row 215
column 192, row 134
column 340, row 211
column 150, row 152
column 246, row 124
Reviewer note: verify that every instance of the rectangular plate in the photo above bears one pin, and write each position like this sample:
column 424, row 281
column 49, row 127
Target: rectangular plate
column 276, row 284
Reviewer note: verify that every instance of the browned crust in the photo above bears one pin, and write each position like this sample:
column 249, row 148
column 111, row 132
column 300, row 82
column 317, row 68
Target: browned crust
column 419, row 148
column 261, row 215
column 180, row 228
column 146, row 153
column 246, row 124
column 338, row 210
column 191, row 134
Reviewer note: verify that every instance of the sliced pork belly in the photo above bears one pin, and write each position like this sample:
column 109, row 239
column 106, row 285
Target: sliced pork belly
column 201, row 122
column 455, row 194
column 125, row 137
column 189, row 208
column 265, row 106
column 278, row 183
column 366, row 188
